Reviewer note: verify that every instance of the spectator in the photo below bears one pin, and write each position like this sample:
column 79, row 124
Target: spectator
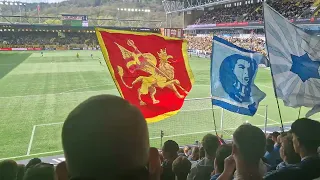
column 306, row 140
column 41, row 171
column 8, row 170
column 181, row 167
column 222, row 153
column 287, row 153
column 181, row 152
column 271, row 155
column 203, row 169
column 195, row 154
column 96, row 136
column 33, row 162
column 247, row 150
column 62, row 171
column 274, row 137
column 186, row 150
column 170, row 153
column 21, row 171
column 154, row 164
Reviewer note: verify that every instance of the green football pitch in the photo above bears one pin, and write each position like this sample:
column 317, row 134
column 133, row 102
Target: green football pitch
column 37, row 93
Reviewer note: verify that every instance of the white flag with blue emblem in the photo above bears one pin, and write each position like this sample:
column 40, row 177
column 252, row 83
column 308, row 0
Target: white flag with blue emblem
column 233, row 70
column 295, row 60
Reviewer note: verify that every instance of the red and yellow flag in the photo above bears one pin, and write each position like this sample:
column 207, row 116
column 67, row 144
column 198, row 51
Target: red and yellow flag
column 150, row 71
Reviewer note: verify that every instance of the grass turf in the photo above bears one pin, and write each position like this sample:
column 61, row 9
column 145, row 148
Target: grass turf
column 38, row 93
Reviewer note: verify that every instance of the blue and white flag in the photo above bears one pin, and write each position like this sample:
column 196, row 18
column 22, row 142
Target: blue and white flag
column 295, row 60
column 233, row 70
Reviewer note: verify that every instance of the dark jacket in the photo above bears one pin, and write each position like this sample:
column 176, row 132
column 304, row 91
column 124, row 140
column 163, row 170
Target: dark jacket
column 307, row 169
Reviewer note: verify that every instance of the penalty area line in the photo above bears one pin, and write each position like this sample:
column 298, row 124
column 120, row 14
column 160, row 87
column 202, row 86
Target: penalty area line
column 31, row 140
column 36, row 154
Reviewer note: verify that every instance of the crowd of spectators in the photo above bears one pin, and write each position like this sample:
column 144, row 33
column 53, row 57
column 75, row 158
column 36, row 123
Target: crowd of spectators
column 203, row 44
column 105, row 137
column 46, row 38
column 253, row 12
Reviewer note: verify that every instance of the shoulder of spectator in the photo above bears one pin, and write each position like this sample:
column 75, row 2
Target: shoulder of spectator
column 193, row 171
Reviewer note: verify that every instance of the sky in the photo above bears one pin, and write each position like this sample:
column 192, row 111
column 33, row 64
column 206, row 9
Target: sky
column 34, row 1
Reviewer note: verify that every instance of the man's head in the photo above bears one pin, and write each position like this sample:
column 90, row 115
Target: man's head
column 195, row 153
column 248, row 144
column 40, row 171
column 287, row 152
column 181, row 167
column 33, row 162
column 222, row 153
column 305, row 136
column 210, row 144
column 274, row 136
column 186, row 150
column 8, row 170
column 170, row 150
column 97, row 134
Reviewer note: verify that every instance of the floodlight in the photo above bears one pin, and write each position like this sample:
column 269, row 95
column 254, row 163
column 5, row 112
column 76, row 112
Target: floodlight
column 121, row 9
column 118, row 9
column 125, row 9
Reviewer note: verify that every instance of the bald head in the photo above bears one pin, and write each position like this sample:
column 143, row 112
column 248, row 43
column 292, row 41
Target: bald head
column 105, row 135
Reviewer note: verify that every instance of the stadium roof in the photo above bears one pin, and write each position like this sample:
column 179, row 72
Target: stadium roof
column 172, row 6
column 34, row 1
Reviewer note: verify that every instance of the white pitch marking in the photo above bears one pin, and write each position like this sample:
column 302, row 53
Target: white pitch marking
column 213, row 131
column 49, row 124
column 56, row 160
column 50, row 152
column 31, row 140
column 62, row 159
column 268, row 118
column 264, row 86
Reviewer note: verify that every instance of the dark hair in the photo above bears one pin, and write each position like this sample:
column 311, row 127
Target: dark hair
column 307, row 132
column 210, row 144
column 40, row 171
column 171, row 147
column 195, row 155
column 181, row 166
column 269, row 145
column 288, row 150
column 98, row 132
column 222, row 153
column 275, row 134
column 251, row 142
column 8, row 170
column 33, row 162
column 228, row 82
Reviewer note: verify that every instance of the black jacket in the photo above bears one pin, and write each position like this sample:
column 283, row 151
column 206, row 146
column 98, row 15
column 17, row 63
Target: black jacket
column 308, row 169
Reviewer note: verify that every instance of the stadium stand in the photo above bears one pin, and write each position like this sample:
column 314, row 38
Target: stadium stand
column 243, row 11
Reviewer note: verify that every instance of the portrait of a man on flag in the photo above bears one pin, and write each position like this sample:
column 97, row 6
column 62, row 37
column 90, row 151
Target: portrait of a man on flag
column 233, row 70
column 150, row 71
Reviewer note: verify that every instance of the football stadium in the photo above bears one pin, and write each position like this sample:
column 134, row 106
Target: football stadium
column 51, row 61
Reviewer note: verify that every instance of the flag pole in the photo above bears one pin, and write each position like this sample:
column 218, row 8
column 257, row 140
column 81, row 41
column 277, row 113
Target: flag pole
column 299, row 112
column 214, row 121
column 273, row 83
